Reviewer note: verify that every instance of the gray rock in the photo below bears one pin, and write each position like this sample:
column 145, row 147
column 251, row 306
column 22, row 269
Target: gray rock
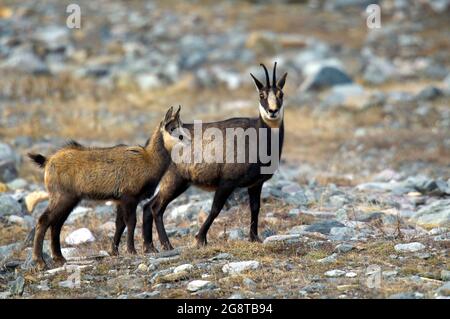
column 444, row 290
column 39, row 209
column 8, row 171
column 8, row 250
column 329, row 259
column 286, row 239
column 409, row 247
column 343, row 248
column 25, row 61
column 324, row 77
column 407, row 295
column 342, row 233
column 17, row 184
column 197, row 285
column 221, row 256
column 294, row 212
column 9, row 206
column 54, row 37
column 436, row 214
column 334, row 273
column 378, row 70
column 240, row 266
column 249, row 283
column 429, row 93
column 17, row 286
column 445, row 275
column 323, row 227
column 235, row 234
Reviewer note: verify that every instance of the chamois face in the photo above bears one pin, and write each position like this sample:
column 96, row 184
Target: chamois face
column 271, row 98
column 172, row 129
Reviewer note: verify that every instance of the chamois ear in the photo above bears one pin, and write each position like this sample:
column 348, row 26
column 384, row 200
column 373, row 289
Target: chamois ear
column 259, row 85
column 282, row 81
column 168, row 115
column 177, row 114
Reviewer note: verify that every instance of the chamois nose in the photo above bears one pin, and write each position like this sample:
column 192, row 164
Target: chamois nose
column 181, row 137
column 273, row 113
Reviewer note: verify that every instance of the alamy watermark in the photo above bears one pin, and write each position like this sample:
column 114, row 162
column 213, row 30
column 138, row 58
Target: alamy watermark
column 373, row 12
column 73, row 21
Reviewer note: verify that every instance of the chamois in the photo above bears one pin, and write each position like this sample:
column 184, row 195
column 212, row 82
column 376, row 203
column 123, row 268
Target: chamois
column 124, row 174
column 224, row 177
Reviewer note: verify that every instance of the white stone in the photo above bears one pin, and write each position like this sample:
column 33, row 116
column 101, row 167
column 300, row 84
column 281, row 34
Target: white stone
column 240, row 266
column 80, row 236
column 351, row 274
column 335, row 273
column 410, row 247
column 197, row 285
column 184, row 267
column 294, row 238
column 142, row 268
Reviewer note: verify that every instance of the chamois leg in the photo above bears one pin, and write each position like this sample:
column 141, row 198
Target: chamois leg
column 40, row 230
column 170, row 188
column 220, row 197
column 254, row 193
column 63, row 211
column 147, row 227
column 120, row 227
column 130, row 220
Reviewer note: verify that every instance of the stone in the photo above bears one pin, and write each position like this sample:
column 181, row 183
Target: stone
column 329, row 259
column 183, row 268
column 234, row 234
column 445, row 275
column 335, row 273
column 17, row 184
column 8, row 250
column 80, row 236
column 378, row 70
column 436, row 214
column 406, row 295
column 324, row 77
column 78, row 213
column 221, row 256
column 342, row 233
column 409, row 247
column 444, row 290
column 343, row 248
column 8, row 171
column 25, row 61
column 323, row 227
column 294, row 212
column 285, row 239
column 197, row 285
column 249, row 283
column 351, row 274
column 429, row 93
column 147, row 81
column 9, row 206
column 17, row 286
column 143, row 268
column 240, row 266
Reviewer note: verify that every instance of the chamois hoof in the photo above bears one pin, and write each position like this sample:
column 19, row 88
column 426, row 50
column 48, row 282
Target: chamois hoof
column 132, row 251
column 114, row 251
column 167, row 246
column 148, row 249
column 201, row 241
column 59, row 261
column 39, row 265
column 255, row 239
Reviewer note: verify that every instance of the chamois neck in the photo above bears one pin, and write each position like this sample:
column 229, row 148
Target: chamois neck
column 156, row 151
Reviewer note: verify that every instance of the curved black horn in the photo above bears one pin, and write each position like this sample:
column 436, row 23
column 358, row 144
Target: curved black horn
column 267, row 75
column 274, row 77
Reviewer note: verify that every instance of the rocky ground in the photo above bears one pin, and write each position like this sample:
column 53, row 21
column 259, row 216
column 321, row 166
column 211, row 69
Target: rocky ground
column 361, row 205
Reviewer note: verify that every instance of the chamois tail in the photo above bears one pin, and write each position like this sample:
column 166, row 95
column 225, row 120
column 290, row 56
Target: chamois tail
column 38, row 159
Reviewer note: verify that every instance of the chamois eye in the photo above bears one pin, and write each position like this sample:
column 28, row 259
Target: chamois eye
column 261, row 95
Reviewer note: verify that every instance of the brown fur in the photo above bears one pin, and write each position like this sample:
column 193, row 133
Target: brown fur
column 125, row 174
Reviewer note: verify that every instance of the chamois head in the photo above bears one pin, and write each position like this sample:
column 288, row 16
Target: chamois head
column 271, row 97
column 172, row 128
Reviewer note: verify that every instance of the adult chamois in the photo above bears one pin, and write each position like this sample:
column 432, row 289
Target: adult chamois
column 224, row 176
column 124, row 174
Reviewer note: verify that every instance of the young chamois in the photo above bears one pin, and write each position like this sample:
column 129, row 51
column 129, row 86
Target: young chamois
column 223, row 177
column 124, row 174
